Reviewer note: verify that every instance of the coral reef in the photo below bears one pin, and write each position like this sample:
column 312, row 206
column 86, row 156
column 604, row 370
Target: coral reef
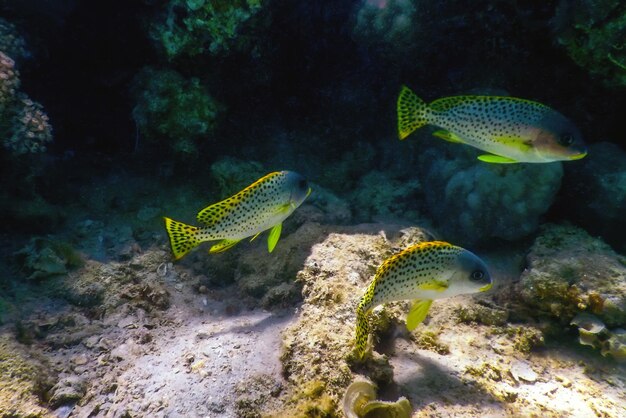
column 387, row 27
column 593, row 32
column 570, row 272
column 194, row 27
column 360, row 401
column 23, row 121
column 319, row 345
column 43, row 258
column 592, row 332
column 594, row 193
column 474, row 202
column 172, row 110
column 11, row 42
column 25, row 377
column 381, row 197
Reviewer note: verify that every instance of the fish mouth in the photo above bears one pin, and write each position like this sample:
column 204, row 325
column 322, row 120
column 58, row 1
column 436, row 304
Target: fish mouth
column 578, row 156
column 486, row 287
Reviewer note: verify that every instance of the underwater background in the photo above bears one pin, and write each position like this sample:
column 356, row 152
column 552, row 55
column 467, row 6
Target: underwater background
column 115, row 114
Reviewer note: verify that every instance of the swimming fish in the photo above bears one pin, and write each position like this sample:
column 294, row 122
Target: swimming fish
column 263, row 205
column 511, row 130
column 424, row 272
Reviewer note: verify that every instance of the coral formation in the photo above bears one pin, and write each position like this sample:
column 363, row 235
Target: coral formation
column 319, row 345
column 593, row 33
column 570, row 272
column 381, row 197
column 232, row 174
column 594, row 193
column 25, row 378
column 473, row 202
column 43, row 258
column 359, row 401
column 23, row 121
column 387, row 27
column 194, row 27
column 173, row 110
column 571, row 275
column 594, row 333
column 11, row 43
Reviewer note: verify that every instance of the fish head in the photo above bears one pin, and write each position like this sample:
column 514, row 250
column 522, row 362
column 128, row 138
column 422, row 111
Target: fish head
column 469, row 275
column 557, row 139
column 298, row 188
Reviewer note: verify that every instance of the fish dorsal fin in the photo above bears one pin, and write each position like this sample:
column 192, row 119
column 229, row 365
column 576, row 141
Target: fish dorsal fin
column 496, row 159
column 418, row 312
column 273, row 237
column 223, row 245
column 212, row 214
column 448, row 136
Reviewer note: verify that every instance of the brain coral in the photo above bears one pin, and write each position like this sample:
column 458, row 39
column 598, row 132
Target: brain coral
column 473, row 202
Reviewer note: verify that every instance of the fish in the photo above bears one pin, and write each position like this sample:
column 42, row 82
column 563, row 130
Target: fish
column 263, row 205
column 509, row 129
column 423, row 272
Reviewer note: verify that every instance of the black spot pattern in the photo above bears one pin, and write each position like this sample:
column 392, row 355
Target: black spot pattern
column 183, row 237
column 481, row 121
column 400, row 277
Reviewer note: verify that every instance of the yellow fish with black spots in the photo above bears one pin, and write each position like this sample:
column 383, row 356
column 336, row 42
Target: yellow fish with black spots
column 422, row 273
column 263, row 205
column 511, row 130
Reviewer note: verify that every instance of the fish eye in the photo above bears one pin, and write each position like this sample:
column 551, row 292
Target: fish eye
column 477, row 275
column 566, row 140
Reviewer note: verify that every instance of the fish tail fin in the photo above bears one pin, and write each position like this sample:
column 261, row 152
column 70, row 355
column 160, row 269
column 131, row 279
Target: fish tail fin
column 183, row 237
column 362, row 320
column 412, row 112
column 362, row 329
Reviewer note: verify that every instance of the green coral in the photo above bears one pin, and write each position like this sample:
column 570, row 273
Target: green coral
column 194, row 27
column 174, row 109
column 594, row 34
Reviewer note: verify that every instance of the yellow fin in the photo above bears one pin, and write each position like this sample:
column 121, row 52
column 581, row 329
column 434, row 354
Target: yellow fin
column 183, row 237
column 223, row 245
column 272, row 239
column 448, row 136
column 496, row 159
column 254, row 237
column 411, row 112
column 417, row 313
column 439, row 286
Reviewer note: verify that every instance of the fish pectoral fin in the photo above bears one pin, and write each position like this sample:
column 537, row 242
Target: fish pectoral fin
column 273, row 237
column 418, row 312
column 254, row 237
column 448, row 136
column 223, row 245
column 436, row 285
column 496, row 159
